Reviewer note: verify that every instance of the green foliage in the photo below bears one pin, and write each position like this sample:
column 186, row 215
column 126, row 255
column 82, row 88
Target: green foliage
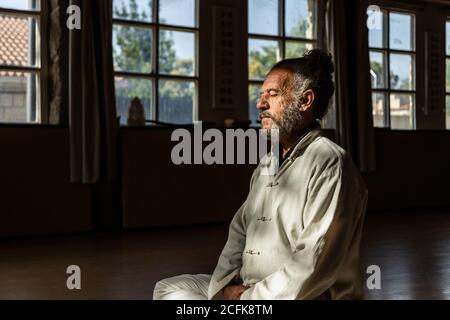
column 299, row 30
column 379, row 71
column 260, row 61
column 133, row 52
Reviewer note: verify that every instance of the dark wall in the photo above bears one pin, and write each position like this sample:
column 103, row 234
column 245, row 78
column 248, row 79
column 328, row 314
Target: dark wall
column 35, row 194
column 157, row 192
column 413, row 171
column 37, row 198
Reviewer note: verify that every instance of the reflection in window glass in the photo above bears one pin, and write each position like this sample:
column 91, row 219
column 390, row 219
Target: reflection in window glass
column 300, row 18
column 177, row 12
column 377, row 70
column 132, row 49
column 400, row 31
column 262, row 55
column 253, row 94
column 296, row 49
column 18, row 46
column 401, row 72
column 401, row 109
column 134, row 10
column 176, row 101
column 376, row 30
column 176, row 53
column 129, row 88
column 20, row 4
column 263, row 17
column 18, row 96
column 378, row 109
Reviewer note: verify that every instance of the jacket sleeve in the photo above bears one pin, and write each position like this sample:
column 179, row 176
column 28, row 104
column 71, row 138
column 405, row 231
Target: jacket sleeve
column 230, row 260
column 336, row 201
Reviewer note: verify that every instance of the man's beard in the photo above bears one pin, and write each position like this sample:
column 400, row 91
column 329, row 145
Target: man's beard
column 289, row 122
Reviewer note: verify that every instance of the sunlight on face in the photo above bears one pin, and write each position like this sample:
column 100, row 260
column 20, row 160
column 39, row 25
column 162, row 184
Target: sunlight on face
column 274, row 96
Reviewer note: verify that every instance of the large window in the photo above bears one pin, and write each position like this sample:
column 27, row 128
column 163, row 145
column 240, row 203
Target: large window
column 447, row 77
column 155, row 58
column 278, row 29
column 392, row 68
column 22, row 86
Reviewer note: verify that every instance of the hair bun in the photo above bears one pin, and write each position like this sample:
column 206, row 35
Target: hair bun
column 323, row 58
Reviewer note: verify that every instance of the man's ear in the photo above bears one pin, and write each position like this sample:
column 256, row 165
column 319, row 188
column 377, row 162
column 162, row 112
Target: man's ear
column 307, row 100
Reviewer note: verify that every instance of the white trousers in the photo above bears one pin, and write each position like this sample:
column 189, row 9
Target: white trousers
column 183, row 287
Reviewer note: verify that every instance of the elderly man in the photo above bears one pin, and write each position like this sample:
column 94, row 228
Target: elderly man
column 297, row 235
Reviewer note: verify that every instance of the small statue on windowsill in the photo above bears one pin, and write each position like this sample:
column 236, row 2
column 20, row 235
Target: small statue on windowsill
column 136, row 117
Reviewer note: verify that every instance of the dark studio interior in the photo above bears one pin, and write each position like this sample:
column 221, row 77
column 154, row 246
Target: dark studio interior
column 84, row 183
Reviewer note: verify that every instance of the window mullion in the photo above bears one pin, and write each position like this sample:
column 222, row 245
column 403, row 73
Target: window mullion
column 156, row 55
column 388, row 66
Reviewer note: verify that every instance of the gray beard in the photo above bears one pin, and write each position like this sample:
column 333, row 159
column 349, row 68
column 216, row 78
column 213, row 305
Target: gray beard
column 291, row 121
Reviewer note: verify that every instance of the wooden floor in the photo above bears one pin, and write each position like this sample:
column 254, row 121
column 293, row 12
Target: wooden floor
column 411, row 248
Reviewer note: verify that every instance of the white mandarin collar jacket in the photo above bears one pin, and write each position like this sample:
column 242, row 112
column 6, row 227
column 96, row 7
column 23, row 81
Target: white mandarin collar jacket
column 297, row 235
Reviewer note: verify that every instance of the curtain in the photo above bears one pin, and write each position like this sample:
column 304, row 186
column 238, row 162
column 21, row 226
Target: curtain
column 92, row 117
column 346, row 36
column 55, row 73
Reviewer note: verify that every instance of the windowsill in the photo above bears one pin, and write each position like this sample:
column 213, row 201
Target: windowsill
column 31, row 125
column 157, row 127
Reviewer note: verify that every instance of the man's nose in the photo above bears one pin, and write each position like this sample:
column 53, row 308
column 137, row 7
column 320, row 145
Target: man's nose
column 262, row 104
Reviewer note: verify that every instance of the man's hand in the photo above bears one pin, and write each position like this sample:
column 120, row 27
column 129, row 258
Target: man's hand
column 233, row 292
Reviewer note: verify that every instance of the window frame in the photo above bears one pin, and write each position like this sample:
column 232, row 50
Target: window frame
column 446, row 57
column 386, row 50
column 154, row 75
column 40, row 70
column 281, row 38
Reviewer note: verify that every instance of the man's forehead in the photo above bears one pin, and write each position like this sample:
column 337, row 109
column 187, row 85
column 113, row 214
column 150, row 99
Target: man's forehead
column 277, row 78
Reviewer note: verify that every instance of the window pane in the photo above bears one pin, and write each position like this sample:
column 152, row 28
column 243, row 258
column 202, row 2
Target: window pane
column 447, row 75
column 401, row 72
column 377, row 70
column 136, row 10
column 375, row 23
column 263, row 17
column 20, row 4
column 176, row 101
column 176, row 53
column 18, row 41
column 447, row 35
column 401, row 31
column 253, row 96
column 177, row 12
column 378, row 110
column 18, row 97
column 132, row 49
column 126, row 90
column 296, row 49
column 300, row 18
column 447, row 118
column 262, row 55
column 402, row 108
